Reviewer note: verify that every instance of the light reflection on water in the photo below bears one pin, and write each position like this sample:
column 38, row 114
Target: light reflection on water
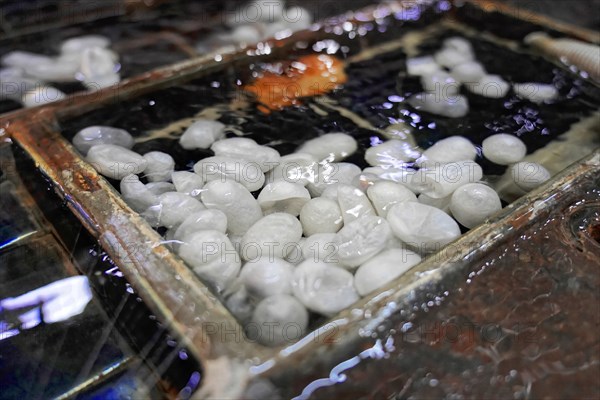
column 48, row 304
column 378, row 351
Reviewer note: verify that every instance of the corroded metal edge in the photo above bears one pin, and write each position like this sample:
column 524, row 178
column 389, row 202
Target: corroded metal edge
column 169, row 288
column 104, row 376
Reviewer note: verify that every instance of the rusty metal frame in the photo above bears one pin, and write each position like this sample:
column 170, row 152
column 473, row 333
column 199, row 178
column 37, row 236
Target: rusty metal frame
column 171, row 289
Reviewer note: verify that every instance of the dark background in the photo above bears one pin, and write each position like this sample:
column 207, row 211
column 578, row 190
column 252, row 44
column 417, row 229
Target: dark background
column 583, row 13
column 19, row 15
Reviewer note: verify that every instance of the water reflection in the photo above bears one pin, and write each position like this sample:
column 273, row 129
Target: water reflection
column 378, row 351
column 48, row 304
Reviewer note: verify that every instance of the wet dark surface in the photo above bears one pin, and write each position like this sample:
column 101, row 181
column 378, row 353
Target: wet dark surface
column 174, row 369
column 496, row 22
column 142, row 44
column 521, row 321
column 8, row 105
column 42, row 357
column 45, row 360
column 576, row 12
column 48, row 342
column 147, row 336
column 135, row 38
column 15, row 221
column 513, row 327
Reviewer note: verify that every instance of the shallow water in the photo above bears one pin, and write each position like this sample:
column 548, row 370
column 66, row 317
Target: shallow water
column 43, row 243
column 370, row 101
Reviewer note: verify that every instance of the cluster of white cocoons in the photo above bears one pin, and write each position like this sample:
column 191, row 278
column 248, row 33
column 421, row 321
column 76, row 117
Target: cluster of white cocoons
column 454, row 65
column 262, row 19
column 88, row 59
column 281, row 236
column 441, row 77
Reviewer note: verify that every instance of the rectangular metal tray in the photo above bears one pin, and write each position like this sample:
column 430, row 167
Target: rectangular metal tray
column 229, row 360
